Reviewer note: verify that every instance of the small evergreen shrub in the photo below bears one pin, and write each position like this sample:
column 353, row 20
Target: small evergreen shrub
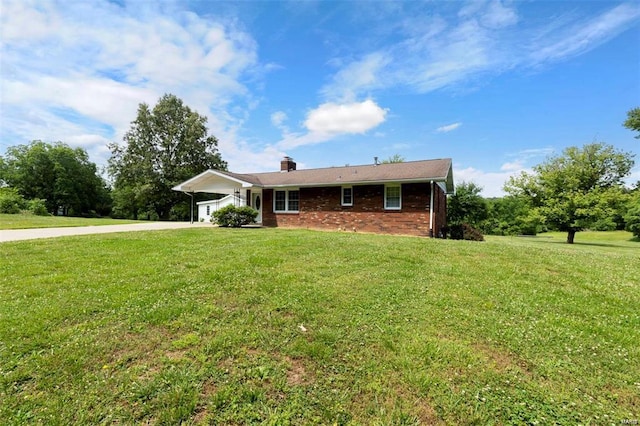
column 37, row 207
column 234, row 217
column 11, row 202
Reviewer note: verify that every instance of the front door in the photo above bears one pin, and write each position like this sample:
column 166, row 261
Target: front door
column 256, row 203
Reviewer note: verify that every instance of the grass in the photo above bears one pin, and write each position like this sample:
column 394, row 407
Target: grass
column 586, row 240
column 274, row 326
column 27, row 221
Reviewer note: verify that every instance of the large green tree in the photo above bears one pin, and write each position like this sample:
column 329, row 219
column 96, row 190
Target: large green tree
column 576, row 189
column 633, row 121
column 165, row 145
column 62, row 176
column 467, row 205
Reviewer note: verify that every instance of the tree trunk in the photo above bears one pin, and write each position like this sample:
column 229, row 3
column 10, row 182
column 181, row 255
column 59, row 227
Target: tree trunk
column 570, row 236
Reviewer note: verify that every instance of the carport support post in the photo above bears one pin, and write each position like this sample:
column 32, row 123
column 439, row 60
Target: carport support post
column 190, row 194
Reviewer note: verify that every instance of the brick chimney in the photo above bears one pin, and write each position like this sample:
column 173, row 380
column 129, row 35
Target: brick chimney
column 287, row 164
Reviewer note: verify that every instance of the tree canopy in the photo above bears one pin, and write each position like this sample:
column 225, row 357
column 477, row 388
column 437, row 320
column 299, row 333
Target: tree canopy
column 467, row 205
column 633, row 121
column 165, row 145
column 62, row 176
column 576, row 189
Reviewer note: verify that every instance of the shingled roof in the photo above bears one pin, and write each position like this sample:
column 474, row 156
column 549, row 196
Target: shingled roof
column 410, row 171
column 439, row 170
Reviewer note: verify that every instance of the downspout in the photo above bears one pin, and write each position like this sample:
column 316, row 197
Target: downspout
column 190, row 194
column 431, row 212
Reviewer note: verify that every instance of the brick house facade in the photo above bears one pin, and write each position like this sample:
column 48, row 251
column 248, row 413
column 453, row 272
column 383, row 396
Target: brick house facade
column 320, row 208
column 379, row 198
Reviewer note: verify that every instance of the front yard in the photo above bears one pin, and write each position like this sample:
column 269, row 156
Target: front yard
column 275, row 326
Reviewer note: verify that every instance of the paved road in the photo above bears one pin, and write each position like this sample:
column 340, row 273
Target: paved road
column 31, row 234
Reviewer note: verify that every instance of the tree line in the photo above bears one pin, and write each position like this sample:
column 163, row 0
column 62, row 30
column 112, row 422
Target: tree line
column 581, row 189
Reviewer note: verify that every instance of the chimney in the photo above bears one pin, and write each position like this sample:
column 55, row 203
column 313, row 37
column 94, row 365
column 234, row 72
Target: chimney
column 287, row 164
column 375, row 161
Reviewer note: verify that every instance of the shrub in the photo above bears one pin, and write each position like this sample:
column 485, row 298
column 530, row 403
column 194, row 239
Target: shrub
column 234, row 217
column 463, row 232
column 11, row 202
column 38, row 207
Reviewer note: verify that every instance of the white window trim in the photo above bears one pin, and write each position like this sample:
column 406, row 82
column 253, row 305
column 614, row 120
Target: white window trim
column 286, row 200
column 342, row 203
column 393, row 185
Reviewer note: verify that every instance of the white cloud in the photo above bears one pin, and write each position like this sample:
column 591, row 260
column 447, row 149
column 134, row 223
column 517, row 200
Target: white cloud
column 448, row 127
column 330, row 120
column 582, row 35
column 512, row 166
column 355, row 117
column 356, row 77
column 484, row 38
column 492, row 183
column 277, row 118
column 498, row 15
column 69, row 64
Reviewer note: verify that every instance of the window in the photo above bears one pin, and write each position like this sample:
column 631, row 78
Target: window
column 392, row 196
column 286, row 200
column 280, row 201
column 347, row 196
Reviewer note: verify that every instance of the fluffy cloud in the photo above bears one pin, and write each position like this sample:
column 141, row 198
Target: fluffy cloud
column 69, row 64
column 330, row 120
column 356, row 117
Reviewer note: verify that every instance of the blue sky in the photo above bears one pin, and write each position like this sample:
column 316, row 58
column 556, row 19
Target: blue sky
column 497, row 86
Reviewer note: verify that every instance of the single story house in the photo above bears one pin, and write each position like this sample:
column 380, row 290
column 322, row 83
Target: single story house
column 395, row 198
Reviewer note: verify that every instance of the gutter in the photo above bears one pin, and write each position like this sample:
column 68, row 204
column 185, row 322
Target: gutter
column 431, row 212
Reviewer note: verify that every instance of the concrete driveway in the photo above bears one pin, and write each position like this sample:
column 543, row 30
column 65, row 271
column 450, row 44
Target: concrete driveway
column 31, row 234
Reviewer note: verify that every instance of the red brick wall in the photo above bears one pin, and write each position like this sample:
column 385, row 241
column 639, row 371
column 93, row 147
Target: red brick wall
column 320, row 209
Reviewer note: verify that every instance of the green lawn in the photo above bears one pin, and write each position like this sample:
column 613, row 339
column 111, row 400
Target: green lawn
column 275, row 326
column 26, row 221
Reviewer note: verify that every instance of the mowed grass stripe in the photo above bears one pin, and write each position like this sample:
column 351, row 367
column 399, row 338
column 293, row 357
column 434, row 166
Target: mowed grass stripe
column 296, row 327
